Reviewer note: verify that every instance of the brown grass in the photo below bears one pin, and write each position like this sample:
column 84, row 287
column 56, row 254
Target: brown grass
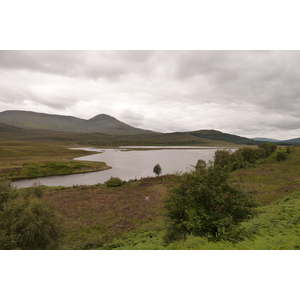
column 92, row 213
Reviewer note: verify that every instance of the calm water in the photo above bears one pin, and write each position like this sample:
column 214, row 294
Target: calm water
column 129, row 165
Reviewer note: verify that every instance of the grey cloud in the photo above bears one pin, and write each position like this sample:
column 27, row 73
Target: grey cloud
column 93, row 64
column 59, row 62
column 267, row 78
column 19, row 97
column 234, row 91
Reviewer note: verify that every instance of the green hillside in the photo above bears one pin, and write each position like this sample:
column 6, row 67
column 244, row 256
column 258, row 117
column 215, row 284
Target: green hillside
column 10, row 133
column 220, row 136
column 7, row 132
column 104, row 131
column 99, row 124
column 112, row 126
column 290, row 142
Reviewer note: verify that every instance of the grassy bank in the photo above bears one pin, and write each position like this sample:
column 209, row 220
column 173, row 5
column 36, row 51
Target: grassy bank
column 271, row 180
column 28, row 160
column 276, row 227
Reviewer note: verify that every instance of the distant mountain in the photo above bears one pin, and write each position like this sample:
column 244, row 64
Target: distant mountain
column 266, row 140
column 103, row 130
column 291, row 142
column 220, row 136
column 113, row 126
column 99, row 124
column 5, row 128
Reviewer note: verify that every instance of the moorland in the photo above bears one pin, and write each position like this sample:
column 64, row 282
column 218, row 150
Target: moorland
column 132, row 215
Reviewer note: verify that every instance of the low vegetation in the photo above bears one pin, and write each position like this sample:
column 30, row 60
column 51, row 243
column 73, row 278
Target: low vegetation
column 132, row 215
column 113, row 182
column 275, row 227
column 28, row 160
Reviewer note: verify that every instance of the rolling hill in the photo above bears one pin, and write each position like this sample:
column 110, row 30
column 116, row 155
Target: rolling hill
column 99, row 124
column 8, row 131
column 290, row 142
column 220, row 136
column 266, row 140
column 103, row 130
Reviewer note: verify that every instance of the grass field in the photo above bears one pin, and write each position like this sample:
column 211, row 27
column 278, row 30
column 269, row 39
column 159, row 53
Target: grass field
column 94, row 215
column 28, row 160
column 132, row 216
column 272, row 179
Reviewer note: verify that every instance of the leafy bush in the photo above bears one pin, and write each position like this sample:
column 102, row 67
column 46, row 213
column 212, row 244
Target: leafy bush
column 201, row 165
column 243, row 156
column 249, row 154
column 268, row 147
column 205, row 204
column 7, row 192
column 281, row 156
column 27, row 223
column 113, row 182
column 30, row 224
column 222, row 158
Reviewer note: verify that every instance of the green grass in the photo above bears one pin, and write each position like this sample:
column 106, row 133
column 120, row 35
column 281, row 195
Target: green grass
column 272, row 179
column 276, row 187
column 28, row 160
column 52, row 168
column 276, row 227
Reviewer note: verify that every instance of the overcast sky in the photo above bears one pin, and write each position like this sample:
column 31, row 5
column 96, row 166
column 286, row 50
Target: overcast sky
column 247, row 93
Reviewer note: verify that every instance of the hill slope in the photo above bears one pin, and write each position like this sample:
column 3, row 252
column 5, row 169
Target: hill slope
column 290, row 142
column 99, row 124
column 265, row 140
column 103, row 130
column 220, row 136
column 113, row 126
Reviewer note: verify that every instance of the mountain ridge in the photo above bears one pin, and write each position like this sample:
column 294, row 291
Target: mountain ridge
column 267, row 140
column 103, row 129
column 101, row 123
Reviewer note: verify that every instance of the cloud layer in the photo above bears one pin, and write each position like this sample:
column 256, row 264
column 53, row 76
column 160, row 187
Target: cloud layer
column 248, row 93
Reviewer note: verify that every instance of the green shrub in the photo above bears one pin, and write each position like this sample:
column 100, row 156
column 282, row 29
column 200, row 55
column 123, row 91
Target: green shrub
column 205, row 204
column 201, row 165
column 113, row 182
column 7, row 192
column 268, row 147
column 157, row 169
column 222, row 158
column 281, row 156
column 26, row 222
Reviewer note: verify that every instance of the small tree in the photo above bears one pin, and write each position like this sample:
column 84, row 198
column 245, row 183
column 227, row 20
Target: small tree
column 206, row 204
column 222, row 158
column 157, row 170
column 201, row 165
